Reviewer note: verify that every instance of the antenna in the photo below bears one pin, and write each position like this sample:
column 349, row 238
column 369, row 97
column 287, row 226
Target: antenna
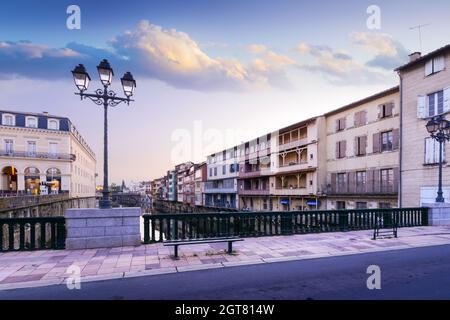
column 419, row 28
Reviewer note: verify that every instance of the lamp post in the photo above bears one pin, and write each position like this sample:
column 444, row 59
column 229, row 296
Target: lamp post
column 439, row 129
column 106, row 98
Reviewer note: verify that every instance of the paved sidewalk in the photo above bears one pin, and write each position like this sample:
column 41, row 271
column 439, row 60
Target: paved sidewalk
column 40, row 268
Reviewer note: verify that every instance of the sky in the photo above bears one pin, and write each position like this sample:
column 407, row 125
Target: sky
column 210, row 74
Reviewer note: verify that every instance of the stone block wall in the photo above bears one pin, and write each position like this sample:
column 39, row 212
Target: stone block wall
column 102, row 228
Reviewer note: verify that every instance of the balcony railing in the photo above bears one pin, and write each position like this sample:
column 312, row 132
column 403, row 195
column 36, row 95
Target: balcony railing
column 254, row 192
column 302, row 191
column 370, row 188
column 293, row 144
column 37, row 155
column 253, row 224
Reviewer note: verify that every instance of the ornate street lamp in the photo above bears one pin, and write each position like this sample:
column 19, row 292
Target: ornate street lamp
column 106, row 98
column 439, row 129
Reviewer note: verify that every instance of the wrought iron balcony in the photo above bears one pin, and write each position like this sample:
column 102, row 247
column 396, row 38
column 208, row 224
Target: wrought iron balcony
column 37, row 155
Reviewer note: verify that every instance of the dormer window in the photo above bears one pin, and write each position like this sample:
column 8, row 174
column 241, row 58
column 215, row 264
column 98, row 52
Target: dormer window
column 9, row 120
column 434, row 65
column 31, row 122
column 53, row 124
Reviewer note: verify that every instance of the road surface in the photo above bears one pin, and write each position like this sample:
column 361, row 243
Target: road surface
column 420, row 273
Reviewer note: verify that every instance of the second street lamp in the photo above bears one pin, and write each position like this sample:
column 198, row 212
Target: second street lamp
column 439, row 130
column 106, row 98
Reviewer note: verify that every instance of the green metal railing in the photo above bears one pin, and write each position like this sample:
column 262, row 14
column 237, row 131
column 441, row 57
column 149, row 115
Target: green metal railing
column 161, row 227
column 19, row 234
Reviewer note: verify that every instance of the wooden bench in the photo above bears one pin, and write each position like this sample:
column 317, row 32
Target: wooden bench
column 176, row 243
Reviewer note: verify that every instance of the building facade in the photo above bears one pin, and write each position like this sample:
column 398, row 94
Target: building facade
column 425, row 93
column 221, row 184
column 200, row 177
column 43, row 154
column 363, row 144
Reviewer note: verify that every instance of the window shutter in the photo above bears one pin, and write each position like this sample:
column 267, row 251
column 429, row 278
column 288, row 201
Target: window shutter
column 333, row 182
column 422, row 107
column 369, row 181
column 376, row 143
column 429, row 150
column 376, row 181
column 429, row 68
column 363, row 118
column 396, row 139
column 380, row 111
column 396, row 179
column 363, row 145
column 344, row 148
column 356, row 149
column 447, row 99
column 352, row 182
column 389, row 109
column 337, row 124
column 343, row 124
column 439, row 64
column 337, row 150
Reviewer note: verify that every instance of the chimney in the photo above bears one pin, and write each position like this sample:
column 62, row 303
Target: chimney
column 414, row 56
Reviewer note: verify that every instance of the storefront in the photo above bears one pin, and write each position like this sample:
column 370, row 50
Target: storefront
column 54, row 181
column 32, row 181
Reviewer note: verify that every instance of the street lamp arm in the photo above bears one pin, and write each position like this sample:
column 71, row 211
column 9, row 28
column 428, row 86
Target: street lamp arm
column 100, row 97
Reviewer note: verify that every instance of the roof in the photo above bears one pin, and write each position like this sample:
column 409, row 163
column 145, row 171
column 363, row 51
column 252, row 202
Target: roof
column 365, row 100
column 423, row 58
column 42, row 114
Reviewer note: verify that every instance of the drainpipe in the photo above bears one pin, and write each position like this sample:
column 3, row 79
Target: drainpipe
column 400, row 202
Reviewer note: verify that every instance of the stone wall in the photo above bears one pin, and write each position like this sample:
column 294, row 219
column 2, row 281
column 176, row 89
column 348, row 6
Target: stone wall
column 102, row 228
column 438, row 214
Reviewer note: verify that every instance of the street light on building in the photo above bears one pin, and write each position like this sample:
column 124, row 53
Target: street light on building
column 106, row 98
column 439, row 129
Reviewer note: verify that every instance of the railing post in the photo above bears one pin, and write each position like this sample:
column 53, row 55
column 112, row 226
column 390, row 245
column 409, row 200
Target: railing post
column 61, row 235
column 146, row 229
column 22, row 236
column 424, row 216
column 11, row 236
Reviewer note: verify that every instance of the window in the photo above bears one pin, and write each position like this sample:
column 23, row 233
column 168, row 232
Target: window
column 387, row 180
column 210, row 172
column 360, row 146
column 361, row 205
column 386, row 110
column 31, row 122
column 215, row 171
column 9, row 146
column 224, row 170
column 435, row 103
column 340, row 124
column 53, row 124
column 386, row 141
column 340, row 205
column 53, row 149
column 232, row 168
column 31, row 148
column 8, row 120
column 384, row 205
column 341, row 149
column 434, row 65
column 432, row 151
column 341, row 182
column 361, row 178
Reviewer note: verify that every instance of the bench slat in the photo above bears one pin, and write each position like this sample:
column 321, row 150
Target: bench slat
column 200, row 241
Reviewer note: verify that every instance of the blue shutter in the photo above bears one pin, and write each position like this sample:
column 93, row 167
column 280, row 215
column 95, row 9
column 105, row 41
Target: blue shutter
column 20, row 120
column 42, row 122
column 64, row 125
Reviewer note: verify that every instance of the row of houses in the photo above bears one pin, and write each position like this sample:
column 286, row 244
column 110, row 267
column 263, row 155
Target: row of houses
column 373, row 153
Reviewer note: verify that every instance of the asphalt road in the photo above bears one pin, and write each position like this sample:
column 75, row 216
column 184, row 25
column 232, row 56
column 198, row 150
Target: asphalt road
column 421, row 273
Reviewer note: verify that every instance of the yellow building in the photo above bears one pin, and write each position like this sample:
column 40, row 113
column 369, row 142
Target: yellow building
column 425, row 93
column 44, row 154
column 362, row 154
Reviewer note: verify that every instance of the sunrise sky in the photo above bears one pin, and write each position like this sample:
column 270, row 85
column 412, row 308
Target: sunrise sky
column 210, row 74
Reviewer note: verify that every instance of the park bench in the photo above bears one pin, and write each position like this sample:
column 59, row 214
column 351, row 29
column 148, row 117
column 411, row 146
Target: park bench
column 385, row 226
column 176, row 243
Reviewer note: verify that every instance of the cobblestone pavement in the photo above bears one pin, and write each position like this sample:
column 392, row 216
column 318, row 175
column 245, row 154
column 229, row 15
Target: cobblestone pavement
column 47, row 267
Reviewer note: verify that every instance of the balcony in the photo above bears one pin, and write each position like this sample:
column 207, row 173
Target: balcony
column 38, row 155
column 254, row 192
column 294, row 167
column 293, row 144
column 302, row 191
column 220, row 186
column 368, row 189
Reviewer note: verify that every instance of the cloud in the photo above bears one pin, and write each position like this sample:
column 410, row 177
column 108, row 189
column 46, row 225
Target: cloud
column 338, row 67
column 389, row 53
column 149, row 51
